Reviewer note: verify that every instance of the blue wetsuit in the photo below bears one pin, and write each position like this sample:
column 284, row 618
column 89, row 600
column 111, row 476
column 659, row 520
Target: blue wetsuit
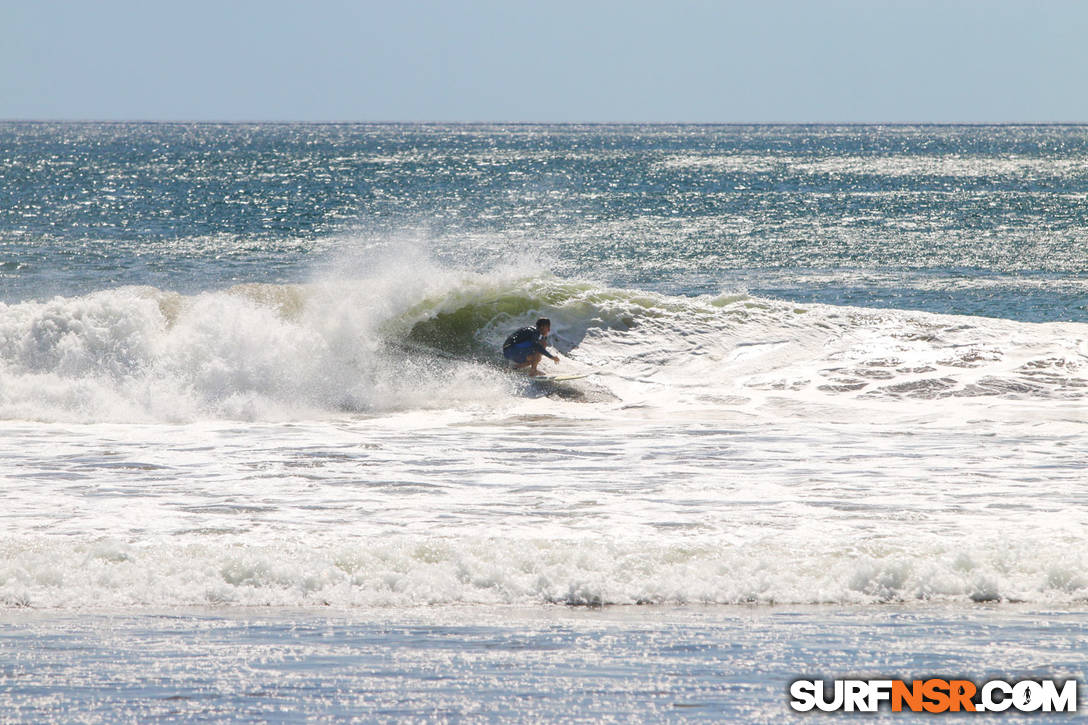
column 523, row 343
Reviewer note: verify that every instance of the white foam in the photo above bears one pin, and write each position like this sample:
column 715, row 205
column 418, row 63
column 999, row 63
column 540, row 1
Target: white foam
column 546, row 501
column 137, row 354
column 605, row 569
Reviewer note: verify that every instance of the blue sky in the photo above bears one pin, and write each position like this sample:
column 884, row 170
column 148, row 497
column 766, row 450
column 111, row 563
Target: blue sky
column 678, row 60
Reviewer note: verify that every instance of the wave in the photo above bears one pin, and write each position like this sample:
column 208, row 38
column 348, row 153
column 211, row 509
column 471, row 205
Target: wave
column 397, row 571
column 428, row 338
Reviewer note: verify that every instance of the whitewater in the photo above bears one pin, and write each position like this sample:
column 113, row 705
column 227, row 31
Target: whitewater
column 357, row 443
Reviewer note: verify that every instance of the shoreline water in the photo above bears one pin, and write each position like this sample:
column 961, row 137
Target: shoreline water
column 506, row 664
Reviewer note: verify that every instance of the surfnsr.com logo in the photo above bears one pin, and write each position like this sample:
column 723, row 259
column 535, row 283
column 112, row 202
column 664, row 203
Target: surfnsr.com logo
column 934, row 695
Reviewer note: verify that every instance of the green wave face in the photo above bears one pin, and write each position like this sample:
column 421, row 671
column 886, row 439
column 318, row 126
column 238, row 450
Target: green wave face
column 471, row 322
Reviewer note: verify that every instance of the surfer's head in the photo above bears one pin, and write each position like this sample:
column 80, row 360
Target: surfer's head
column 543, row 325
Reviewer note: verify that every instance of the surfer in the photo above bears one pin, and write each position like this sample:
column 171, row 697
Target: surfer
column 526, row 346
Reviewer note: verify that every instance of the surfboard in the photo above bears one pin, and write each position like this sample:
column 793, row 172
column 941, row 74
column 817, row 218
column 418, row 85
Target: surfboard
column 557, row 378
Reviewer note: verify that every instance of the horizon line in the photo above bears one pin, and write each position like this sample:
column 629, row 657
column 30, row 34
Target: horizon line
column 237, row 122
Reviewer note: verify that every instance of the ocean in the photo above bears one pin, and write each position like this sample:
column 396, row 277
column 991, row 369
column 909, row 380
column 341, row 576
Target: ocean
column 262, row 460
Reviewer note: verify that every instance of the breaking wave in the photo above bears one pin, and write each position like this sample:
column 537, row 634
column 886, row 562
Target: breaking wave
column 418, row 340
column 412, row 571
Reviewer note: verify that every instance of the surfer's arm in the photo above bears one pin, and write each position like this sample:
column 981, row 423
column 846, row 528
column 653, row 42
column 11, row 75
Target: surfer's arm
column 543, row 350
